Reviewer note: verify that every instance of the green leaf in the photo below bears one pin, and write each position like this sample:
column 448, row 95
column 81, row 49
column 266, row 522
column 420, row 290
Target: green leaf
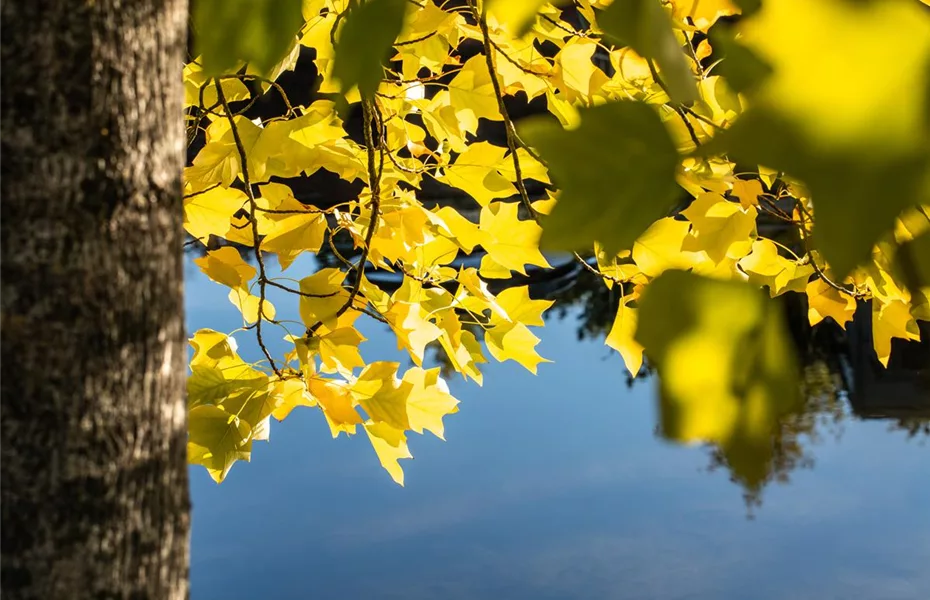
column 365, row 40
column 616, row 172
column 727, row 373
column 644, row 26
column 259, row 32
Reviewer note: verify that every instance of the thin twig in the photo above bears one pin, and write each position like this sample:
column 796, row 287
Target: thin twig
column 813, row 261
column 262, row 279
column 508, row 124
column 374, row 186
column 274, row 283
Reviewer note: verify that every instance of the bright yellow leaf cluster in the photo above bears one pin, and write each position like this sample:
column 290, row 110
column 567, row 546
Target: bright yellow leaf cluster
column 634, row 166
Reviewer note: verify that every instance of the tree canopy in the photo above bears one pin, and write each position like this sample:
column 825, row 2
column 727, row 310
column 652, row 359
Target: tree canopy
column 700, row 157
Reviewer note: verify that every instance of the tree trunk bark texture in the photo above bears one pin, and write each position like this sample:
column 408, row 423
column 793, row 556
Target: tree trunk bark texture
column 93, row 417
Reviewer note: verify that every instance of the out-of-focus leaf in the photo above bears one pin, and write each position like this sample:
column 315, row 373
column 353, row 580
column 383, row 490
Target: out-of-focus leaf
column 844, row 110
column 364, row 42
column 616, row 172
column 259, row 32
column 727, row 372
column 644, row 26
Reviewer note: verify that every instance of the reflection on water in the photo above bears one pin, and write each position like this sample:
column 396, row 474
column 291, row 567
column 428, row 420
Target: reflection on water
column 557, row 486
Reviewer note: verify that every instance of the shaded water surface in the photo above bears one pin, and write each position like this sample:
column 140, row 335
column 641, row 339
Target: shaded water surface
column 556, row 486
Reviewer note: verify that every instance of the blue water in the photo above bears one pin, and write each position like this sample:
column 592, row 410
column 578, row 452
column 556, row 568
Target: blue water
column 549, row 487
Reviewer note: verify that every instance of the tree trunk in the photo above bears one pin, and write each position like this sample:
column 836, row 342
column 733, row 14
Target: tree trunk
column 93, row 423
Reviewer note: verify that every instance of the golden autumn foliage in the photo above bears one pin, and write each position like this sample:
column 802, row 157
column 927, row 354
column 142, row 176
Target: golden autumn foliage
column 669, row 137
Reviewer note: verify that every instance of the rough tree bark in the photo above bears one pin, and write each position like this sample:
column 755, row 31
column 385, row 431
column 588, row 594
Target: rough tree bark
column 94, row 477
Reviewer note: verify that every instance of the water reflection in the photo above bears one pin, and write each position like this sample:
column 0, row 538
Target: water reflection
column 841, row 378
column 556, row 487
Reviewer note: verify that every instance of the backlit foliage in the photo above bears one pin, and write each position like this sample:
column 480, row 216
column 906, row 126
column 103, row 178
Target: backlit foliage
column 672, row 142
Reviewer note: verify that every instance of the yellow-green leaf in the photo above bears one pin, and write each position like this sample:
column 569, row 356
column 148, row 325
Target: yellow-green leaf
column 727, row 372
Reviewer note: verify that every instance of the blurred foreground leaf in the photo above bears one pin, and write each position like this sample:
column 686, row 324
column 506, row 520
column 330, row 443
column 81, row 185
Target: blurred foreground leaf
column 616, row 171
column 259, row 32
column 844, row 109
column 726, row 367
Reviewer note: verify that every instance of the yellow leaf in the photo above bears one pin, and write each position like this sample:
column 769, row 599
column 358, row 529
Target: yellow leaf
column 514, row 341
column 516, row 16
column 336, row 400
column 328, row 296
column 291, row 393
column 211, row 213
column 289, row 235
column 413, row 330
column 660, row 247
column 720, row 228
column 833, row 112
column 382, row 395
column 216, row 440
column 580, row 78
column 748, row 192
column 516, row 303
column 459, row 229
column 461, row 346
column 512, row 243
column 219, row 160
column 840, row 65
column 225, row 265
column 248, row 305
column 196, row 83
column 475, row 172
column 429, row 401
column 621, row 338
column 765, row 266
column 825, row 301
column 472, row 94
column 891, row 320
column 703, row 13
column 339, row 350
column 390, row 445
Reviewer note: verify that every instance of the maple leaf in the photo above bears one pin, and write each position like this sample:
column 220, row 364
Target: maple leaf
column 510, row 242
column 891, row 320
column 225, row 265
column 514, row 341
column 765, row 266
column 825, row 301
column 621, row 338
column 390, row 445
column 721, row 229
column 429, row 401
